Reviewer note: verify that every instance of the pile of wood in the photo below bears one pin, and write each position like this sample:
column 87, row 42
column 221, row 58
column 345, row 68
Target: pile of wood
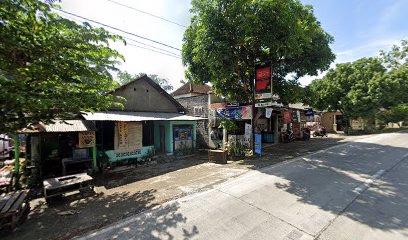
column 14, row 209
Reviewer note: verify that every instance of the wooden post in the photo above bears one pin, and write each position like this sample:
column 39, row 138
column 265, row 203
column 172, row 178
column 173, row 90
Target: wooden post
column 94, row 152
column 16, row 158
column 276, row 129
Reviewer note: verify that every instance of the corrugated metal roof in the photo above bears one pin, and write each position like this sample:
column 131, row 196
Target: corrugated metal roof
column 62, row 126
column 138, row 116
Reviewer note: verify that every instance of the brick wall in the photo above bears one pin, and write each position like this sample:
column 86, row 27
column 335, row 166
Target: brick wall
column 202, row 125
column 198, row 101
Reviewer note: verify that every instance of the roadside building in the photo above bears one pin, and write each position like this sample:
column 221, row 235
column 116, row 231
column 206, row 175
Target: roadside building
column 194, row 98
column 333, row 121
column 150, row 122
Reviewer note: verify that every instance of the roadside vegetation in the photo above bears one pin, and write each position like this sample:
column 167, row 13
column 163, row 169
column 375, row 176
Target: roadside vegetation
column 374, row 89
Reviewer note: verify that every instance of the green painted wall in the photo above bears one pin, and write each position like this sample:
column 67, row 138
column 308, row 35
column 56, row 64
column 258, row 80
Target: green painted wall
column 168, row 128
column 168, row 135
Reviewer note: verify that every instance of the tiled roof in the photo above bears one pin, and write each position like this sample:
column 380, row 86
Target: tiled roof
column 192, row 88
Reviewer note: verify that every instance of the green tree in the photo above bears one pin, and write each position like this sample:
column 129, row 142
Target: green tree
column 356, row 89
column 225, row 39
column 124, row 77
column 363, row 87
column 394, row 114
column 51, row 67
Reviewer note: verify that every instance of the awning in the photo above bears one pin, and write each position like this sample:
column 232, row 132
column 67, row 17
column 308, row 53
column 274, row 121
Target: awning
column 61, row 126
column 138, row 116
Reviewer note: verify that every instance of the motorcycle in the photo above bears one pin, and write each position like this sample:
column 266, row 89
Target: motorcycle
column 289, row 137
column 321, row 132
column 306, row 134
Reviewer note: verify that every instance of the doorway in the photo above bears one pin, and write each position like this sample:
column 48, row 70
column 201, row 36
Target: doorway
column 162, row 140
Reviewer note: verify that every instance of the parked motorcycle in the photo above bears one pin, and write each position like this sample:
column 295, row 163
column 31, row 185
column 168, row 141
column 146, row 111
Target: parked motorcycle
column 306, row 134
column 289, row 137
column 321, row 132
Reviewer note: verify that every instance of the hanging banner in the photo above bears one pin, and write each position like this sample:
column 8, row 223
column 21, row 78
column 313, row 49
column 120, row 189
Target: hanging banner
column 235, row 113
column 248, row 134
column 247, row 112
column 287, row 117
column 123, row 132
column 268, row 112
column 86, row 139
column 232, row 113
column 298, row 115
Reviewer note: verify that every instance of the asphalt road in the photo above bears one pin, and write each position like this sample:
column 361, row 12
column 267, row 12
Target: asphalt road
column 357, row 190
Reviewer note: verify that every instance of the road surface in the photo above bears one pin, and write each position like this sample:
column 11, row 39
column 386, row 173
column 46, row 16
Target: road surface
column 357, row 190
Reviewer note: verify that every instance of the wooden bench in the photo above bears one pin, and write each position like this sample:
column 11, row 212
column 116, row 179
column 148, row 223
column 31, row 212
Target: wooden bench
column 58, row 186
column 14, row 208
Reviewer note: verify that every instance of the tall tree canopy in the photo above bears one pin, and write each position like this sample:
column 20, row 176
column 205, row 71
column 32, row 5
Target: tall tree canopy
column 51, row 67
column 363, row 87
column 124, row 77
column 225, row 39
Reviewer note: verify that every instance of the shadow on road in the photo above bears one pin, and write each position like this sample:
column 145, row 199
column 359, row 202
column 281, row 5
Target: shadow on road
column 78, row 214
column 332, row 180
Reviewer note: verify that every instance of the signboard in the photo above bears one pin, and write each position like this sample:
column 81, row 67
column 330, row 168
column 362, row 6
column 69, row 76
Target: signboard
column 86, row 139
column 263, row 85
column 263, row 104
column 235, row 113
column 357, row 124
column 123, row 141
column 123, row 154
column 183, row 133
column 258, row 144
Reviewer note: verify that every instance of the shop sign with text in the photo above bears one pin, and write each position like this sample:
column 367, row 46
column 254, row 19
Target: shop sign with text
column 263, row 85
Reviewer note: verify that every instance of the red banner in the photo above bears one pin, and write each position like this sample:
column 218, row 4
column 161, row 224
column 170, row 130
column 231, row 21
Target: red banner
column 263, row 78
column 287, row 117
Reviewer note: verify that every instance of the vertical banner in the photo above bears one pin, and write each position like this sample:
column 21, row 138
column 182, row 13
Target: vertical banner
column 248, row 134
column 268, row 112
column 86, row 139
column 263, row 85
column 287, row 117
column 123, row 132
column 247, row 112
column 258, row 144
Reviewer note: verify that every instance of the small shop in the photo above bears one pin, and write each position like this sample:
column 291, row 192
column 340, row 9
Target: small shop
column 230, row 124
column 127, row 136
column 61, row 148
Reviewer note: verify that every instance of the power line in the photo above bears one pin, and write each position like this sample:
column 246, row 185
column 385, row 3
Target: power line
column 162, row 51
column 152, row 15
column 175, row 56
column 117, row 29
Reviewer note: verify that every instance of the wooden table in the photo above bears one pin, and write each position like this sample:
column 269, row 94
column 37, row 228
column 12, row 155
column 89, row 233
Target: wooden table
column 14, row 208
column 60, row 185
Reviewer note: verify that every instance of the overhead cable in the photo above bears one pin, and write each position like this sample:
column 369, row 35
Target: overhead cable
column 117, row 29
column 144, row 12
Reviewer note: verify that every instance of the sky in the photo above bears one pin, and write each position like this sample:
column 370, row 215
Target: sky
column 361, row 28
